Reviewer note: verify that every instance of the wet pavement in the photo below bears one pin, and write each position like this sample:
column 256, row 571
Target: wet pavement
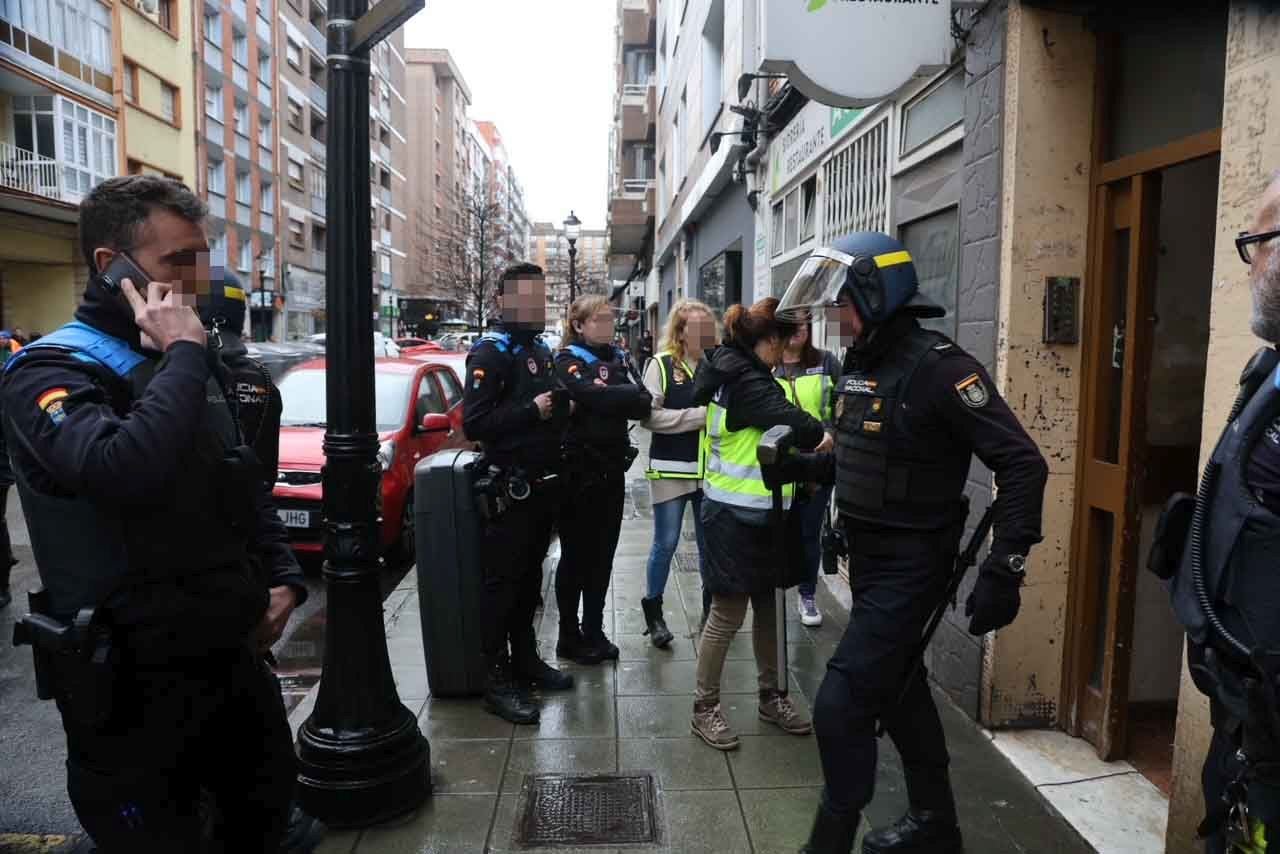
column 632, row 717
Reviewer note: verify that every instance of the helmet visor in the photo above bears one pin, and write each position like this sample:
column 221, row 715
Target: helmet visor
column 815, row 287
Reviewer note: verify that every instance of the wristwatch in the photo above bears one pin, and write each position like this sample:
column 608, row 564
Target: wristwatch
column 1017, row 564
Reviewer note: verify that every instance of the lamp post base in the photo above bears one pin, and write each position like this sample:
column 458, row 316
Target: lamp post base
column 357, row 779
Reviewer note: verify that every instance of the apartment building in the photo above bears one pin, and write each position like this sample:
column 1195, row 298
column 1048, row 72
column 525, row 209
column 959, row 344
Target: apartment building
column 504, row 190
column 632, row 201
column 548, row 248
column 236, row 147
column 389, row 179
column 87, row 91
column 444, row 162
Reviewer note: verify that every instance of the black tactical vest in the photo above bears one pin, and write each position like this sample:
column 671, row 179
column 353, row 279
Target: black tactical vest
column 530, row 372
column 675, row 455
column 884, row 474
column 85, row 550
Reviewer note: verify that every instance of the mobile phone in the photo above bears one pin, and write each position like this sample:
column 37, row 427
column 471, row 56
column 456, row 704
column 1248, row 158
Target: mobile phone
column 121, row 268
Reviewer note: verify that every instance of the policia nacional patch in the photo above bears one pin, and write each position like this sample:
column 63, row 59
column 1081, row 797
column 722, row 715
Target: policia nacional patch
column 973, row 392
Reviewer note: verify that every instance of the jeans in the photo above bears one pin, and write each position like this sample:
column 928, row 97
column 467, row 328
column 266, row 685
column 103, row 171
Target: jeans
column 668, row 519
column 812, row 512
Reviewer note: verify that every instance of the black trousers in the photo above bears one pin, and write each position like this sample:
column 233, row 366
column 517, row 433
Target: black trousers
column 217, row 724
column 896, row 581
column 590, row 524
column 512, row 550
column 6, row 548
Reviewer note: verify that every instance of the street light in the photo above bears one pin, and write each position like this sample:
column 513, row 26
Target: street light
column 572, row 228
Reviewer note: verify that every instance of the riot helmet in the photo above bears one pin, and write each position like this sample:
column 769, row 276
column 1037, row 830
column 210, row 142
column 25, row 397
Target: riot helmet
column 224, row 309
column 874, row 269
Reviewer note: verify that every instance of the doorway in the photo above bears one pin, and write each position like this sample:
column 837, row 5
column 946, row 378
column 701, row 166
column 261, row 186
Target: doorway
column 1146, row 332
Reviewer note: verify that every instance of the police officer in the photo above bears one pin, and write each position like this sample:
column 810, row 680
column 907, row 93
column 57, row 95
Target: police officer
column 511, row 408
column 912, row 409
column 1224, row 581
column 602, row 389
column 144, row 506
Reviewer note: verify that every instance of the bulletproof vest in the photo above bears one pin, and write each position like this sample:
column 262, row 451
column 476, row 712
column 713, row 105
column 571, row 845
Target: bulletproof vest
column 884, row 474
column 675, row 455
column 257, row 406
column 1240, row 544
column 600, row 432
column 87, row 549
column 530, row 372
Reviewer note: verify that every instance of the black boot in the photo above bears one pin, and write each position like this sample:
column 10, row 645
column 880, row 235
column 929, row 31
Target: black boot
column 658, row 632
column 505, row 698
column 599, row 646
column 573, row 646
column 532, row 670
column 832, row 833
column 303, row 834
column 917, row 832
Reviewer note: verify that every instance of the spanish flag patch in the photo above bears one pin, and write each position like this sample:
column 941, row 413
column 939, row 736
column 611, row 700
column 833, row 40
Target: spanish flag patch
column 48, row 398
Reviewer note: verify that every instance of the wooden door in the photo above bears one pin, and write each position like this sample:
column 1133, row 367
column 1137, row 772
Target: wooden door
column 1120, row 323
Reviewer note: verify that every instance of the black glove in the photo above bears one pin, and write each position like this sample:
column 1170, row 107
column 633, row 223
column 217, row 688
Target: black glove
column 995, row 600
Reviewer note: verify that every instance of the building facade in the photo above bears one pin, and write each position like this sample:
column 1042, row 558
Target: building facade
column 548, row 248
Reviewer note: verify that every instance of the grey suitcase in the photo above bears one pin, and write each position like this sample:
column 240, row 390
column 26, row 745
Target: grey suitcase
column 449, row 584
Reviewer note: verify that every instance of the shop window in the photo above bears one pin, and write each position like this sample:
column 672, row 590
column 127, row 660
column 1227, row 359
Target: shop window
column 791, row 223
column 808, row 208
column 720, row 281
column 934, row 243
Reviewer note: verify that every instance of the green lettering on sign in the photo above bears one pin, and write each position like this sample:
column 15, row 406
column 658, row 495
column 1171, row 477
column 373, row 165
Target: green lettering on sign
column 815, row 5
column 842, row 118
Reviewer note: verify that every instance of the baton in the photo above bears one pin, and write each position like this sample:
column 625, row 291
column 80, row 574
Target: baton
column 773, row 447
column 964, row 560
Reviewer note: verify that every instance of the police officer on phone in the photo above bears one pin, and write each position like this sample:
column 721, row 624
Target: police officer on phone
column 143, row 506
column 912, row 410
column 514, row 409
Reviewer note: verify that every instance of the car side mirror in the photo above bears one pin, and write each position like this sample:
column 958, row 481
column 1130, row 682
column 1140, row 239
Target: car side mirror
column 435, row 423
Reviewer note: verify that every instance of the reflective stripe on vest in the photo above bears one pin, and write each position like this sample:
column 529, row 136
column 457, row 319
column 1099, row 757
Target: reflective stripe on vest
column 669, row 452
column 733, row 473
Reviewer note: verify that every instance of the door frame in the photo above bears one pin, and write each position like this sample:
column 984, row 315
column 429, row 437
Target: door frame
column 1142, row 172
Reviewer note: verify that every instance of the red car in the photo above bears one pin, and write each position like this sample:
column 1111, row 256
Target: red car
column 418, row 411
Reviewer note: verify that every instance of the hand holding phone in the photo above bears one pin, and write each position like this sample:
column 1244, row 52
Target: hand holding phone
column 161, row 318
column 121, row 268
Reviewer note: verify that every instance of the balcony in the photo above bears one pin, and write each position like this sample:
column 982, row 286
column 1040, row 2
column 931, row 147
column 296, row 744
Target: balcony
column 241, row 12
column 631, row 213
column 319, row 97
column 214, row 131
column 240, row 75
column 316, row 39
column 244, row 215
column 637, row 23
column 263, row 27
column 319, row 205
column 243, row 146
column 318, row 149
column 639, row 113
column 266, row 161
column 217, row 205
column 28, row 172
column 264, row 94
column 213, row 56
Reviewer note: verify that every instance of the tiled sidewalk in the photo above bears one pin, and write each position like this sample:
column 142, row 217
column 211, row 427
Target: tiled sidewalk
column 635, row 716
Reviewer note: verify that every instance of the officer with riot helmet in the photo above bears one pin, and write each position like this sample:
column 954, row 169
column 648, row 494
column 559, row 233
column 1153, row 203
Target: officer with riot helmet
column 1218, row 551
column 515, row 410
column 144, row 507
column 912, row 409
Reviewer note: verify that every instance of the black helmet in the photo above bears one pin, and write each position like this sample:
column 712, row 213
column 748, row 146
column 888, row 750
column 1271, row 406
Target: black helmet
column 225, row 306
column 875, row 270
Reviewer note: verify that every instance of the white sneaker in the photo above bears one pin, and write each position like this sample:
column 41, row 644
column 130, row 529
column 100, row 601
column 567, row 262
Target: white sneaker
column 809, row 613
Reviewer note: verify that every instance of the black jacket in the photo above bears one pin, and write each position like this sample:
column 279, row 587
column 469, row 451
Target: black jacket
column 504, row 374
column 128, row 454
column 606, row 397
column 753, row 397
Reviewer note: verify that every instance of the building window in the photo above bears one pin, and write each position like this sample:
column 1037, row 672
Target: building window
column 934, row 244
column 164, row 14
column 213, row 102
column 243, row 191
column 677, row 162
column 297, row 237
column 712, row 64
column 213, row 29
column 246, row 256
column 808, row 208
column 293, row 54
column 264, row 69
column 777, row 228
column 218, row 250
column 936, row 110
column 295, row 173
column 266, row 198
column 318, row 237
column 88, row 148
column 169, row 102
column 130, row 82
column 295, row 115
column 217, row 175
column 242, row 119
column 264, row 132
column 855, row 185
column 240, row 49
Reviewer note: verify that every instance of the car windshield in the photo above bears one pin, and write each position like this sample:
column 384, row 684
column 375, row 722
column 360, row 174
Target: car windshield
column 303, row 395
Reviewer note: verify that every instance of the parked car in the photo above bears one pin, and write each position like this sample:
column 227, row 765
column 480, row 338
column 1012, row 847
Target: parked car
column 382, row 345
column 279, row 358
column 455, row 361
column 418, row 411
column 406, row 343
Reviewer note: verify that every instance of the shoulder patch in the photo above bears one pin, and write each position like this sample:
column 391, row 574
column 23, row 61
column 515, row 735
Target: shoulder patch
column 477, row 377
column 972, row 391
column 944, row 345
column 50, row 403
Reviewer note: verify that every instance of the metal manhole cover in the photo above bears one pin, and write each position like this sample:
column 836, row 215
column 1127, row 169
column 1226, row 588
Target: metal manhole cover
column 603, row 809
column 687, row 561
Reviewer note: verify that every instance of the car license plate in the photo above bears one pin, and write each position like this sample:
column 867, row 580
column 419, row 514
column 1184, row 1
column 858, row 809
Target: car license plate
column 295, row 518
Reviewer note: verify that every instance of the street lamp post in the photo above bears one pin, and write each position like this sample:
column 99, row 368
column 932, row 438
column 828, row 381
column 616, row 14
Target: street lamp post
column 572, row 228
column 361, row 757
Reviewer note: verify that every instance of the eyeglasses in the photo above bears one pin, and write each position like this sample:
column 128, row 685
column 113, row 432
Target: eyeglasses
column 1245, row 240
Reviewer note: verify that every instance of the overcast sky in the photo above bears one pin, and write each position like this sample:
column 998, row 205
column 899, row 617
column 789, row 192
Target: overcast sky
column 543, row 73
